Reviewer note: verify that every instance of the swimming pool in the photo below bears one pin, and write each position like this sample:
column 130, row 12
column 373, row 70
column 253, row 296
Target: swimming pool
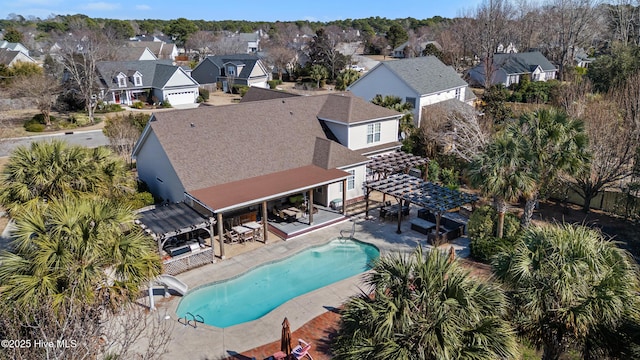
column 255, row 293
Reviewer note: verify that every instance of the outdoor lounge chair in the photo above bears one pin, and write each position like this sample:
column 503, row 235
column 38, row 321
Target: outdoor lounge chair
column 232, row 237
column 302, row 350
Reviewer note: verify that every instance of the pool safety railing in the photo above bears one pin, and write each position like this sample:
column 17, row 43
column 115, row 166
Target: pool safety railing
column 195, row 318
column 353, row 231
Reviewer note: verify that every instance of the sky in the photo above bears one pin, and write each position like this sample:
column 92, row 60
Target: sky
column 250, row 10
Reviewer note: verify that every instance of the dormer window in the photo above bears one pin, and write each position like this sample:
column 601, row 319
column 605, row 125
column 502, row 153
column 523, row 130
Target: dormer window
column 121, row 79
column 231, row 70
column 137, row 79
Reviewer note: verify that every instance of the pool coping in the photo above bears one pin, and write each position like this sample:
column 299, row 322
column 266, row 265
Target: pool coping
column 206, row 341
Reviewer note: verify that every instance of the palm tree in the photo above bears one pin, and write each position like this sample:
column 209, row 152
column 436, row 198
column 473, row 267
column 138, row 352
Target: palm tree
column 318, row 73
column 500, row 171
column 568, row 285
column 76, row 248
column 424, row 307
column 555, row 144
column 49, row 169
column 346, row 78
column 396, row 103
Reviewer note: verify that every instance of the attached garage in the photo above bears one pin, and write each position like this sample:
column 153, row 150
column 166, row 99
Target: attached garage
column 181, row 97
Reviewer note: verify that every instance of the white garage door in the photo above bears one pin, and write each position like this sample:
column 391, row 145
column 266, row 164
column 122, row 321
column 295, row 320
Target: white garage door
column 181, row 97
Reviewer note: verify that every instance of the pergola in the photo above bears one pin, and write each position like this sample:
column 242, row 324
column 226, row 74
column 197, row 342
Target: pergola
column 166, row 221
column 393, row 163
column 406, row 188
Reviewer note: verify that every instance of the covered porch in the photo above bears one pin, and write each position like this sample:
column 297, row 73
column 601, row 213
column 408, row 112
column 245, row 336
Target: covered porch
column 280, row 204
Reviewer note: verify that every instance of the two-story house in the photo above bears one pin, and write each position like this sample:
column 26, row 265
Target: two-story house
column 230, row 70
column 125, row 82
column 231, row 158
column 420, row 81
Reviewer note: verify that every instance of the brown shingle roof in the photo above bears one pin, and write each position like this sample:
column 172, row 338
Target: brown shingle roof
column 211, row 146
column 258, row 94
column 348, row 108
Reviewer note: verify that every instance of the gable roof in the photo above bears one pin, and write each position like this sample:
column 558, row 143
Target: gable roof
column 155, row 73
column 350, row 109
column 521, row 63
column 8, row 57
column 249, row 140
column 248, row 60
column 160, row 49
column 132, row 53
column 424, row 74
column 255, row 93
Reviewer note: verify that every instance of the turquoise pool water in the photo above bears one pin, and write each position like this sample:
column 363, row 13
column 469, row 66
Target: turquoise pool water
column 255, row 293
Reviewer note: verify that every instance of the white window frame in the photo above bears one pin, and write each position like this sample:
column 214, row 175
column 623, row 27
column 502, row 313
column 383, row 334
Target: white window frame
column 373, row 133
column 351, row 180
column 231, row 70
column 458, row 92
column 122, row 81
column 137, row 80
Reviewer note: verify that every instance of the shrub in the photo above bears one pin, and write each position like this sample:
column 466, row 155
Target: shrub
column 166, row 104
column 274, row 83
column 450, row 178
column 204, row 93
column 79, row 119
column 434, row 171
column 482, row 227
column 39, row 119
column 140, row 200
column 34, row 127
column 137, row 105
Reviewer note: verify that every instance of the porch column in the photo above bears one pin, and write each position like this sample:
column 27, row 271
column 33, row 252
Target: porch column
column 344, row 196
column 437, row 237
column 400, row 201
column 213, row 241
column 265, row 226
column 310, row 206
column 220, row 235
column 366, row 202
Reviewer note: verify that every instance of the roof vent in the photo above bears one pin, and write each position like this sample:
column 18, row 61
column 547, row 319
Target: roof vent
column 283, row 101
column 193, row 125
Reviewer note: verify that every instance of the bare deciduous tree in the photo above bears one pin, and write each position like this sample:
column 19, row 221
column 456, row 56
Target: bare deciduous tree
column 79, row 54
column 456, row 131
column 202, row 42
column 42, row 89
column 567, row 26
column 226, row 45
column 281, row 58
column 613, row 139
column 493, row 17
column 79, row 331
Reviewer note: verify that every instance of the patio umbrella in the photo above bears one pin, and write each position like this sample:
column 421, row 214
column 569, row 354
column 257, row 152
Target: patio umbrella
column 285, row 341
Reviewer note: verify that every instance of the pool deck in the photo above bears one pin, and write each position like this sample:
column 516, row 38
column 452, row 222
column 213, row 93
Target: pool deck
column 208, row 342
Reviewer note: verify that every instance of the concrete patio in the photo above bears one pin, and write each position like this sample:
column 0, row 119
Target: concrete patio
column 207, row 342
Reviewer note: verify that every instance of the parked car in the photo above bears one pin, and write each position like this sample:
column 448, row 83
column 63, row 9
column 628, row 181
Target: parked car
column 357, row 68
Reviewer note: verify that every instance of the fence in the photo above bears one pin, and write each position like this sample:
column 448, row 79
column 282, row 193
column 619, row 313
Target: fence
column 178, row 265
column 614, row 202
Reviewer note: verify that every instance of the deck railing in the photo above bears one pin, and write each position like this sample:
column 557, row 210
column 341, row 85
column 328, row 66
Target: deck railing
column 186, row 262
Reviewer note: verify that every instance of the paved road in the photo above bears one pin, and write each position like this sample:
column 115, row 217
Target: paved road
column 88, row 138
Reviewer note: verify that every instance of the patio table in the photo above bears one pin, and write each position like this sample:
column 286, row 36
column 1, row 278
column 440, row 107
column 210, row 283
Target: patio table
column 244, row 232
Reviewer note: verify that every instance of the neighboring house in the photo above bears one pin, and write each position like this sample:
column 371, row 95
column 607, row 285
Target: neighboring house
column 420, row 81
column 162, row 50
column 4, row 44
column 230, row 159
column 582, row 59
column 11, row 57
column 125, row 82
column 135, row 54
column 509, row 68
column 229, row 70
column 252, row 40
column 509, row 49
column 407, row 49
